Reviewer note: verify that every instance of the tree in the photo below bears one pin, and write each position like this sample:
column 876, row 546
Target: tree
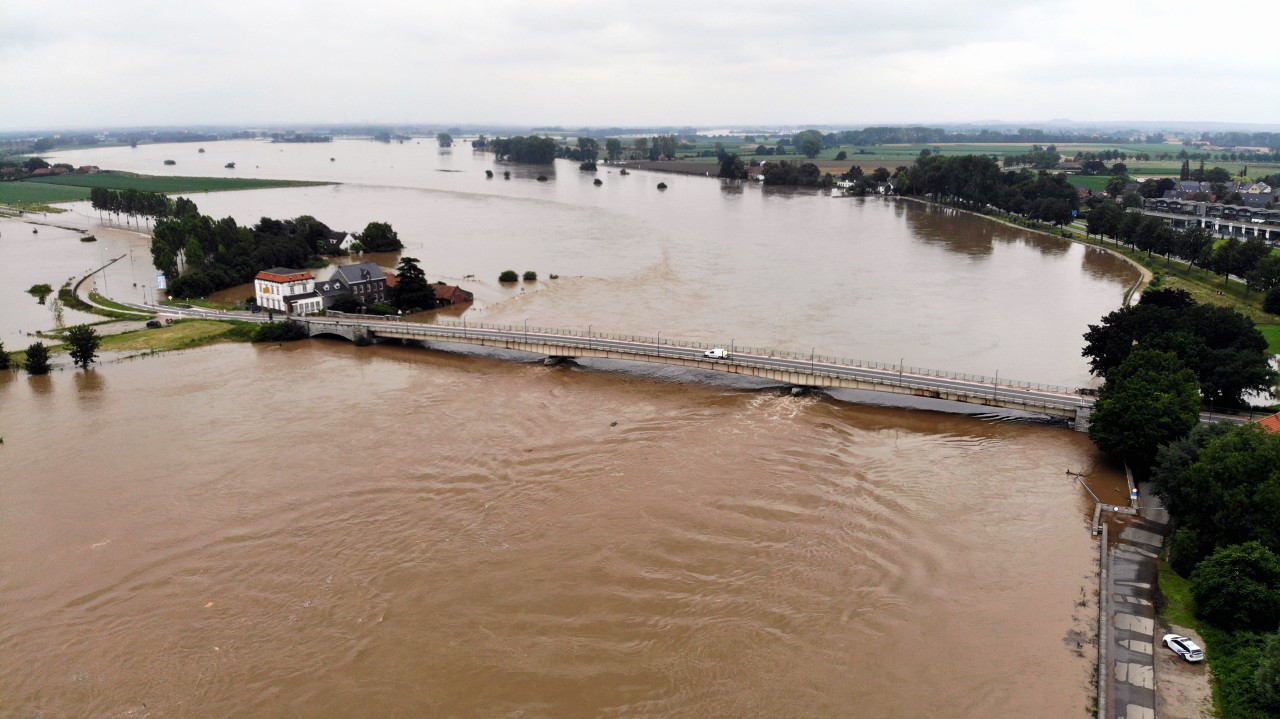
column 1149, row 400
column 508, row 276
column 83, row 342
column 1222, row 346
column 613, row 149
column 5, row 361
column 588, row 150
column 412, row 292
column 732, row 167
column 444, row 139
column 379, row 237
column 1115, row 186
column 37, row 359
column 1266, row 679
column 808, row 143
column 1238, row 587
column 841, row 156
column 1272, row 301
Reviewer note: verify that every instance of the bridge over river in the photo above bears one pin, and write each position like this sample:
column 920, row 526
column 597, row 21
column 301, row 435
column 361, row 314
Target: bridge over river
column 804, row 370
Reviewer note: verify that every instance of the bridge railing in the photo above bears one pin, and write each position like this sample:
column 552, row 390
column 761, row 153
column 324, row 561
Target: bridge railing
column 548, row 335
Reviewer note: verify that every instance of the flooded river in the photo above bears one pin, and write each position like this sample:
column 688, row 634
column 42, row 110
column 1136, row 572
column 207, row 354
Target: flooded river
column 321, row 530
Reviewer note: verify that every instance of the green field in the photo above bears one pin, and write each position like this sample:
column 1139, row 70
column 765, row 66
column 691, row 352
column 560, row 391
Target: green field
column 30, row 196
column 1096, row 183
column 156, row 183
column 37, row 194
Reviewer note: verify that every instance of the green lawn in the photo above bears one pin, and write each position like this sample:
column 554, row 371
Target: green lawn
column 155, row 183
column 1096, row 183
column 1272, row 333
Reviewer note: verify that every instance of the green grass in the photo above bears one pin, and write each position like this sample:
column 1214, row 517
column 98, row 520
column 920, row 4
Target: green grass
column 99, row 299
column 33, row 197
column 155, row 183
column 1096, row 183
column 1179, row 606
column 182, row 334
column 1272, row 333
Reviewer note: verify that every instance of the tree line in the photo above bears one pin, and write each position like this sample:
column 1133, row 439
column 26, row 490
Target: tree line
column 1163, row 359
column 131, row 203
column 202, row 255
column 1250, row 259
column 975, row 182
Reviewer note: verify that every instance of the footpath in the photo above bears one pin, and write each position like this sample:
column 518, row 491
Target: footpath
column 1128, row 626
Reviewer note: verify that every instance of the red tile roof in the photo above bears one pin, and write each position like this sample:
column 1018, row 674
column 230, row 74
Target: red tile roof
column 1271, row 424
column 275, row 277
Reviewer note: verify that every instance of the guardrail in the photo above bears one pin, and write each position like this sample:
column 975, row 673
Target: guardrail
column 572, row 339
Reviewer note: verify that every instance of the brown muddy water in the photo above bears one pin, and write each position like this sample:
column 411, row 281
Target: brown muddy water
column 320, row 530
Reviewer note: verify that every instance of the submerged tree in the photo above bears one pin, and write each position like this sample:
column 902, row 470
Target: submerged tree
column 83, row 341
column 37, row 361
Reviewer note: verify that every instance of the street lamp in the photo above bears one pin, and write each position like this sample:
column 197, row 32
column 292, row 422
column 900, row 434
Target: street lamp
column 995, row 384
column 526, row 331
column 731, row 347
column 589, row 336
column 659, row 343
column 812, row 350
column 900, row 359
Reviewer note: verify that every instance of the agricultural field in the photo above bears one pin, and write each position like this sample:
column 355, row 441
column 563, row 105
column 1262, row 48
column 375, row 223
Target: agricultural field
column 154, row 183
column 38, row 194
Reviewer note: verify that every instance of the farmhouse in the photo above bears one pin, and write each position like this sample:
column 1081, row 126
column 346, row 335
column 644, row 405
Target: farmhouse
column 450, row 295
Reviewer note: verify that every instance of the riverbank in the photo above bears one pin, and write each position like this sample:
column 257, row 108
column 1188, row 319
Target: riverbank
column 1146, row 276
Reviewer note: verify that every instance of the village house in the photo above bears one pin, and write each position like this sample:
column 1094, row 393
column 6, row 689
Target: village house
column 367, row 281
column 286, row 290
column 450, row 294
column 337, row 242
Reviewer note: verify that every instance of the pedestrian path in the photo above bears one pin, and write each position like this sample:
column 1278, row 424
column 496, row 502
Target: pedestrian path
column 1129, row 611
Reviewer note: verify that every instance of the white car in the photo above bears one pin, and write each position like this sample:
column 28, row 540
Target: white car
column 717, row 353
column 1184, row 647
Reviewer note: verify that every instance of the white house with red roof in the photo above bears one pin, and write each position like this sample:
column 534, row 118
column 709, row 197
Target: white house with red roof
column 285, row 290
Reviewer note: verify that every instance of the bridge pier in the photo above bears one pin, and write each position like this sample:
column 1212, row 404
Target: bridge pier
column 1081, row 421
column 558, row 360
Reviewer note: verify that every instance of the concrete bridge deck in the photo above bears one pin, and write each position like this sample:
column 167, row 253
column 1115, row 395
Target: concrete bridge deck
column 810, row 370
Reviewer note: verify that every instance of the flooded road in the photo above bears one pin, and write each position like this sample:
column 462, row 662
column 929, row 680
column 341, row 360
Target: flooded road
column 320, row 530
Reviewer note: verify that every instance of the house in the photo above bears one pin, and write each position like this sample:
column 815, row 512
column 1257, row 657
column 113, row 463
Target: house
column 367, row 282
column 287, row 290
column 337, row 242
column 1271, row 424
column 450, row 294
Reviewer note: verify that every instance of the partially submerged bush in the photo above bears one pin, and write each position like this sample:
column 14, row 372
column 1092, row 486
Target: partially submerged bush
column 286, row 331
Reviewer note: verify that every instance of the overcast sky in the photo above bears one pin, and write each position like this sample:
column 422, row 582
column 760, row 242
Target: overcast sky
column 89, row 63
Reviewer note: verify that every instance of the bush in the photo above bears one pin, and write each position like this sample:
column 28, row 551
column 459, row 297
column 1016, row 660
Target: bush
column 286, row 331
column 1238, row 587
column 842, row 155
column 5, row 361
column 1185, row 551
column 37, row 359
column 88, row 238
column 662, row 185
column 1271, row 303
column 588, row 166
column 508, row 276
column 530, row 276
column 542, row 178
